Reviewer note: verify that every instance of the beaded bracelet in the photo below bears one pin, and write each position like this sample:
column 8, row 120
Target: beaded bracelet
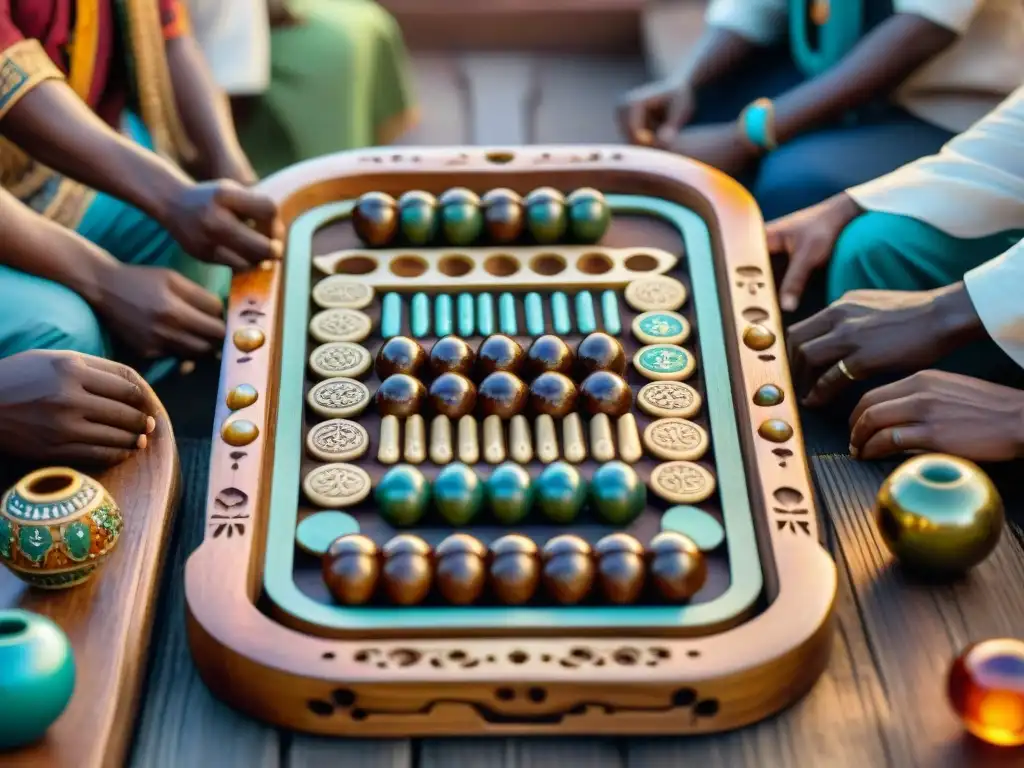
column 757, row 121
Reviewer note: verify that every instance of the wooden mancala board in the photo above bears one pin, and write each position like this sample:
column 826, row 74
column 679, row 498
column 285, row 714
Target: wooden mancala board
column 266, row 634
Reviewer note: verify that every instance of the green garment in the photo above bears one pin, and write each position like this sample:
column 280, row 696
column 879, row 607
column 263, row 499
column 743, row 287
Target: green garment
column 40, row 314
column 899, row 253
column 339, row 80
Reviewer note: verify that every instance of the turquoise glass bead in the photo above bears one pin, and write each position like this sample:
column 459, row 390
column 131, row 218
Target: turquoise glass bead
column 461, row 220
column 443, row 323
column 617, row 494
column 458, row 494
column 509, row 493
column 561, row 492
column 560, row 319
column 586, row 319
column 419, row 319
column 467, row 315
column 390, row 315
column 610, row 313
column 507, row 314
column 402, row 495
column 485, row 314
column 37, row 676
column 534, row 314
column 589, row 215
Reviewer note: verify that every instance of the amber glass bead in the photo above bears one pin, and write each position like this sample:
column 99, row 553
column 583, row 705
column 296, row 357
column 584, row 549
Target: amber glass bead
column 501, row 394
column 498, row 353
column 503, row 215
column 452, row 395
column 400, row 395
column 986, row 690
column 549, row 353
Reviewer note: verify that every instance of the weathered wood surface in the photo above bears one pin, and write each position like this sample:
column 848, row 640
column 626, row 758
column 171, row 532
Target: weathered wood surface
column 881, row 702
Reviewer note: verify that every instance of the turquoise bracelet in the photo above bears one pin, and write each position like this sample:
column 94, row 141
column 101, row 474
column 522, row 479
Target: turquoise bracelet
column 758, row 124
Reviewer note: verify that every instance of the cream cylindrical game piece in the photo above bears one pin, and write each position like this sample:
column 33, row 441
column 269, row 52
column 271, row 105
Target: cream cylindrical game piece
column 547, row 440
column 520, row 446
column 469, row 440
column 494, row 440
column 389, row 451
column 631, row 450
column 441, row 440
column 415, row 440
column 602, row 445
column 574, row 444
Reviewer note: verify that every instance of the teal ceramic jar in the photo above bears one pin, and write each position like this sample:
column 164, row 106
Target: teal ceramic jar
column 939, row 514
column 37, row 676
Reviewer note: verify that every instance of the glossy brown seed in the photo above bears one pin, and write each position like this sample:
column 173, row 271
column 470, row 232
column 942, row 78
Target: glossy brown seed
column 452, row 395
column 621, row 570
column 568, row 569
column 452, row 354
column 407, row 573
column 677, row 566
column 498, row 353
column 548, row 353
column 605, row 392
column 515, row 569
column 400, row 395
column 351, row 569
column 461, row 571
column 501, row 394
column 503, row 215
column 553, row 394
column 375, row 218
column 600, row 352
column 400, row 354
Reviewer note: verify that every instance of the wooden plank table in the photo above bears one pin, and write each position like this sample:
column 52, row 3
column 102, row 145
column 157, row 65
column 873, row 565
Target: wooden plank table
column 880, row 703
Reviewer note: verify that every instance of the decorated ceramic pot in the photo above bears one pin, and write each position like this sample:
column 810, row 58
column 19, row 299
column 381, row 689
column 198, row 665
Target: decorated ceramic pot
column 37, row 677
column 56, row 527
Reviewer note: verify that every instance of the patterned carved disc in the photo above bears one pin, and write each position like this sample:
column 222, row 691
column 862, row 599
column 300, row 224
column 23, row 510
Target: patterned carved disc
column 337, row 440
column 677, row 439
column 340, row 324
column 342, row 291
column 664, row 362
column 336, row 485
column 661, row 327
column 339, row 397
column 669, row 398
column 655, row 292
column 682, row 482
column 340, row 358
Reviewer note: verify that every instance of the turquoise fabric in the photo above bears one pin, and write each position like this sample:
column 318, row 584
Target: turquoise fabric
column 887, row 251
column 39, row 314
column 835, row 38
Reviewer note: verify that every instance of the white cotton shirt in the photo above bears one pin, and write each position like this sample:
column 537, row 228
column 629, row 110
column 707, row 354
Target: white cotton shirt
column 235, row 38
column 974, row 187
column 953, row 90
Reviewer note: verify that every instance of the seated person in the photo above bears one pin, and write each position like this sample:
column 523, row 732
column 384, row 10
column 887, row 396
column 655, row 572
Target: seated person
column 336, row 77
column 66, row 407
column 863, row 88
column 59, row 109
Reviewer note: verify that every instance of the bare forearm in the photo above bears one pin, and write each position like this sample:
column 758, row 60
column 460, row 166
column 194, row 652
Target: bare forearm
column 878, row 65
column 718, row 53
column 56, row 128
column 37, row 246
column 204, row 110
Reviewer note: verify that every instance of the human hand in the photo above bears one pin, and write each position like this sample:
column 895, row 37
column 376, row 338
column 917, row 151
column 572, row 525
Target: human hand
column 281, row 14
column 158, row 312
column 654, row 113
column 234, row 166
column 872, row 332
column 807, row 238
column 65, row 407
column 721, row 146
column 211, row 222
column 942, row 412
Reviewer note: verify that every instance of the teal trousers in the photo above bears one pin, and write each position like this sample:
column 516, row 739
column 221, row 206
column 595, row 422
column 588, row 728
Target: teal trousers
column 40, row 314
column 887, row 251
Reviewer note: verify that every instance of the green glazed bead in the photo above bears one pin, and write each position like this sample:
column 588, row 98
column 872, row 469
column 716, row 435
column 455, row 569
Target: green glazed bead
column 561, row 492
column 417, row 217
column 402, row 495
column 546, row 219
column 589, row 215
column 509, row 493
column 458, row 494
column 37, row 676
column 616, row 493
column 462, row 221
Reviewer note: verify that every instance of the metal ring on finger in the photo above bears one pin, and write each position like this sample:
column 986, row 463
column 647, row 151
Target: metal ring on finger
column 841, row 365
column 897, row 439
